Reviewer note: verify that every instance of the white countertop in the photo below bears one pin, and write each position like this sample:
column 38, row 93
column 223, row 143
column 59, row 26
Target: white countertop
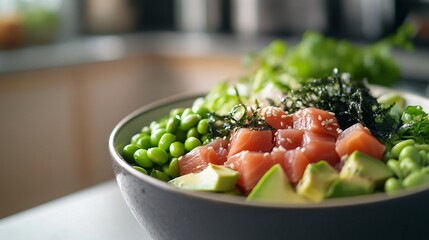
column 95, row 213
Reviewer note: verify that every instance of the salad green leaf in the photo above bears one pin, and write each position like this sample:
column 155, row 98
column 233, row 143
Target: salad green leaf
column 415, row 125
column 316, row 55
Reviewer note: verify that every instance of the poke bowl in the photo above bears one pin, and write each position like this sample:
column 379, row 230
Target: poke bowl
column 167, row 212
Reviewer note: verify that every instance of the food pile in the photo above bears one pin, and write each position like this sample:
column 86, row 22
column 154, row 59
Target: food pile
column 274, row 137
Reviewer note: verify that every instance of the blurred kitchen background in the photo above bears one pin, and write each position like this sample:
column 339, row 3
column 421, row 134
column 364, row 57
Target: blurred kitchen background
column 70, row 70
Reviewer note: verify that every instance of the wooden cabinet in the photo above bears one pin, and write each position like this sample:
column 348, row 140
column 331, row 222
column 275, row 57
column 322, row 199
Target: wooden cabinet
column 55, row 123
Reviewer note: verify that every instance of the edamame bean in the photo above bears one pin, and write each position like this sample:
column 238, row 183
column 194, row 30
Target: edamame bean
column 415, row 179
column 156, row 136
column 203, row 126
column 193, row 133
column 172, row 124
column 392, row 185
column 424, row 147
column 423, row 157
column 192, row 143
column 144, row 142
column 410, row 152
column 166, row 169
column 142, row 159
column 393, row 164
column 186, row 112
column 204, row 139
column 159, row 175
column 425, row 170
column 408, row 166
column 396, row 150
column 174, row 168
column 200, row 110
column 140, row 169
column 157, row 155
column 136, row 137
column 177, row 149
column 146, row 130
column 176, row 112
column 166, row 140
column 189, row 121
column 128, row 152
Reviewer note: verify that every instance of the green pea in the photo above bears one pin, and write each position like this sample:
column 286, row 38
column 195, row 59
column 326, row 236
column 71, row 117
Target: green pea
column 424, row 147
column 193, row 133
column 180, row 135
column 166, row 140
column 410, row 152
column 173, row 168
column 156, row 136
column 192, row 143
column 172, row 124
column 128, row 152
column 159, row 175
column 157, row 155
column 144, row 142
column 203, row 126
column 142, row 159
column 415, row 179
column 140, row 169
column 392, row 185
column 177, row 149
column 408, row 166
column 396, row 150
column 177, row 112
column 201, row 110
column 146, row 130
column 136, row 137
column 189, row 121
column 393, row 164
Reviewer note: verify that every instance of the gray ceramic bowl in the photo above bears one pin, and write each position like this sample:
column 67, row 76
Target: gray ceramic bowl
column 168, row 213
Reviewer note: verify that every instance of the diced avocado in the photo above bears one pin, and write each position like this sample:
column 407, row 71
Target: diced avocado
column 361, row 165
column 274, row 187
column 316, row 180
column 214, row 178
column 347, row 187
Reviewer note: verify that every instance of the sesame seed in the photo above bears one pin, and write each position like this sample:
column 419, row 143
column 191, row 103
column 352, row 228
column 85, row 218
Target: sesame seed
column 282, row 124
column 334, row 124
column 319, row 117
column 281, row 148
column 283, row 116
column 289, row 140
column 266, row 154
column 329, row 128
column 331, row 113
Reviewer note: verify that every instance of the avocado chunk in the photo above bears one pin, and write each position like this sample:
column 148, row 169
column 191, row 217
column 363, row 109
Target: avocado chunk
column 214, row 178
column 348, row 187
column 316, row 181
column 274, row 187
column 361, row 165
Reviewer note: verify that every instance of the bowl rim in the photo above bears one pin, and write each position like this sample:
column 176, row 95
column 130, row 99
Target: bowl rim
column 237, row 200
